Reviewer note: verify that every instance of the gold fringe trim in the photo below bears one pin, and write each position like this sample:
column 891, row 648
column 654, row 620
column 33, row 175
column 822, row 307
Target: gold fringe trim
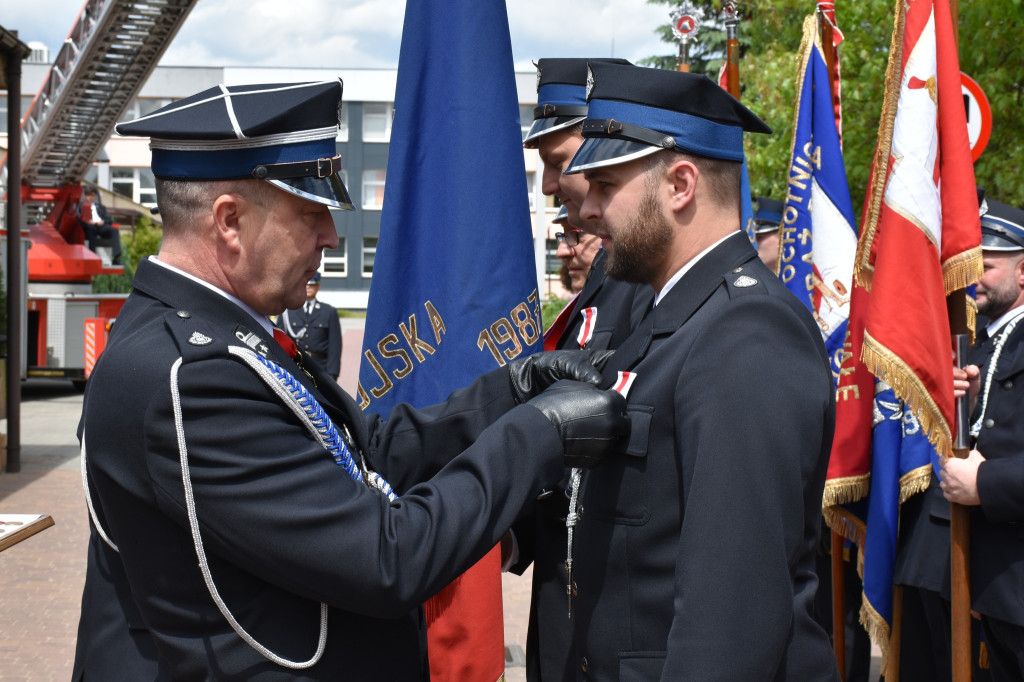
column 863, row 270
column 891, row 369
column 845, row 490
column 878, row 629
column 915, row 481
column 847, row 525
column 962, row 270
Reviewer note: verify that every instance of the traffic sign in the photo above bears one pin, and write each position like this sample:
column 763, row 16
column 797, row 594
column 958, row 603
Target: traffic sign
column 979, row 115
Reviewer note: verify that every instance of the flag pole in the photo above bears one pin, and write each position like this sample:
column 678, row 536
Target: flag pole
column 960, row 521
column 732, row 49
column 838, row 541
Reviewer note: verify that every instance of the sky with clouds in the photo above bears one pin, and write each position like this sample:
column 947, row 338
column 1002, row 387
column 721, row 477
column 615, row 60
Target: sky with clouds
column 361, row 33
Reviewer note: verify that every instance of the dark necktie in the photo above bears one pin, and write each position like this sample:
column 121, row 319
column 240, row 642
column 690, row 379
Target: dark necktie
column 286, row 343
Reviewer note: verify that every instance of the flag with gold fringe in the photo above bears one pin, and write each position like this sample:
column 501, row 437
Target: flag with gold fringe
column 919, row 242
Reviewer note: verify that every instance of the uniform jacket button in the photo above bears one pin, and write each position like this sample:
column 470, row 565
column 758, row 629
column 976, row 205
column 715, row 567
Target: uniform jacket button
column 583, row 664
column 1008, row 384
column 989, row 423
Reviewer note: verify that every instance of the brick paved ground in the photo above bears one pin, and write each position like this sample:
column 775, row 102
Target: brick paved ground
column 43, row 575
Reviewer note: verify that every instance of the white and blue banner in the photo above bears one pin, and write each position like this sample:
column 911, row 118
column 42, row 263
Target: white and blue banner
column 818, row 238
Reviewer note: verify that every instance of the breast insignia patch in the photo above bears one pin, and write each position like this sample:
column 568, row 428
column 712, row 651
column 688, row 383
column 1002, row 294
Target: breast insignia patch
column 744, row 282
column 199, row 339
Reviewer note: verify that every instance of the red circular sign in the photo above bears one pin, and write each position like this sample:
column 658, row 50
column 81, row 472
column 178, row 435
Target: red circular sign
column 979, row 115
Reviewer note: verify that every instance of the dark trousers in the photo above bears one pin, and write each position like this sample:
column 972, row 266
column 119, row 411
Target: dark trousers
column 103, row 235
column 1005, row 644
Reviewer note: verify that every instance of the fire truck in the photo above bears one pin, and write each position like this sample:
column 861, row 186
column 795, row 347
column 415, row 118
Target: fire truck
column 112, row 48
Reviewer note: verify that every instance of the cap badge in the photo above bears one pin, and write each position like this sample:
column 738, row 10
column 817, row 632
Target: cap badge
column 590, row 81
column 199, row 339
column 743, row 282
column 538, row 75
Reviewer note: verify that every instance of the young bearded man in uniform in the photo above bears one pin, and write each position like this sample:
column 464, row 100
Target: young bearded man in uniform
column 249, row 521
column 600, row 316
column 693, row 553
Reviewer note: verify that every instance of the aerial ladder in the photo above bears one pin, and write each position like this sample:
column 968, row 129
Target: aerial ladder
column 107, row 57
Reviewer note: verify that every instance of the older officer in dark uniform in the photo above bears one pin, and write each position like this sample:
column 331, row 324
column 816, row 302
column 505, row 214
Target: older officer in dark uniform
column 991, row 478
column 250, row 523
column 315, row 329
column 600, row 316
column 693, row 553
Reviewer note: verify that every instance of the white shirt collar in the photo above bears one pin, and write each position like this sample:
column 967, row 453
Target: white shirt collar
column 686, row 268
column 261, row 319
column 1001, row 321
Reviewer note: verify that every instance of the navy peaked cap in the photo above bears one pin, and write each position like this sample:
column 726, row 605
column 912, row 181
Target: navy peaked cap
column 561, row 94
column 283, row 133
column 635, row 111
column 768, row 215
column 1002, row 227
column 315, row 279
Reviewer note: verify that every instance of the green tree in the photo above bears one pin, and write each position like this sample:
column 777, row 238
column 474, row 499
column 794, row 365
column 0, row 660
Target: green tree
column 770, row 34
column 144, row 241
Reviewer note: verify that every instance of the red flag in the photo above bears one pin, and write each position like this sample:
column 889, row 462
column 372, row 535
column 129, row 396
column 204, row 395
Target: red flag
column 922, row 226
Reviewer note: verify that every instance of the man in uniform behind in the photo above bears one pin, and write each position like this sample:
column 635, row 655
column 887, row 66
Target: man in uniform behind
column 991, row 479
column 693, row 553
column 315, row 329
column 249, row 522
column 767, row 221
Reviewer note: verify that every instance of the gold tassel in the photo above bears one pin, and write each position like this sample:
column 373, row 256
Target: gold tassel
column 915, row 481
column 878, row 629
column 982, row 656
column 962, row 270
column 888, row 367
column 845, row 490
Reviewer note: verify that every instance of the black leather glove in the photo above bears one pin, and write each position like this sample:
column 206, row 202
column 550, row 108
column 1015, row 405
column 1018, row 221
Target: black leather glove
column 532, row 374
column 592, row 423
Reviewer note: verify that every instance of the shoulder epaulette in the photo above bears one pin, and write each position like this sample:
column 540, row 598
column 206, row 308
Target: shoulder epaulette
column 742, row 281
column 195, row 340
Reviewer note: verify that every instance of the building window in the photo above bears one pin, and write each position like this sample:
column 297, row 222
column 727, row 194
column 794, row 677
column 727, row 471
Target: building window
column 369, row 254
column 136, row 184
column 147, row 188
column 335, row 261
column 377, row 122
column 531, row 178
column 525, row 118
column 552, row 263
column 373, row 189
column 143, row 106
column 343, row 123
column 123, row 181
